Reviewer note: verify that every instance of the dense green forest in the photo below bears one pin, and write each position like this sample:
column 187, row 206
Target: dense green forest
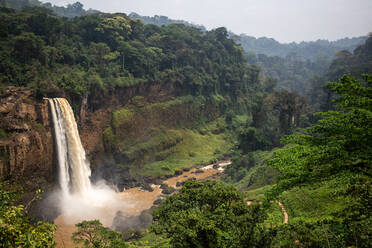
column 217, row 103
column 292, row 72
column 323, row 173
column 101, row 56
column 112, row 50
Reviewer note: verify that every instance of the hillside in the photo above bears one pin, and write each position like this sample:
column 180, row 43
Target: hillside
column 304, row 50
column 166, row 123
column 314, row 174
column 141, row 93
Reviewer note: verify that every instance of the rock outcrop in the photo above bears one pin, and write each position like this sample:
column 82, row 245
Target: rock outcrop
column 26, row 141
column 26, row 137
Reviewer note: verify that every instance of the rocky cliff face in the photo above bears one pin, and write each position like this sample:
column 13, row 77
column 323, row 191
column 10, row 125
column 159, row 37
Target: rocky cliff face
column 26, row 141
column 26, row 137
column 96, row 114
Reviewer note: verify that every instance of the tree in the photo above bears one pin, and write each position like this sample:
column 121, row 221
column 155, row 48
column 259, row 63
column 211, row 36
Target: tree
column 16, row 229
column 100, row 51
column 340, row 142
column 27, row 46
column 337, row 150
column 92, row 234
column 208, row 214
column 290, row 106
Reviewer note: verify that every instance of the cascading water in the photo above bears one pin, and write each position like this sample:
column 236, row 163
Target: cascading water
column 78, row 199
column 74, row 171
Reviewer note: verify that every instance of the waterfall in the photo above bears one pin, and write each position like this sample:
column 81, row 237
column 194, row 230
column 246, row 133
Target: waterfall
column 74, row 171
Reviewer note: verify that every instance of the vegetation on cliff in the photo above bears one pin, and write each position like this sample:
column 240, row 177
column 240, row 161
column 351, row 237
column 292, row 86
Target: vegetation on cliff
column 179, row 97
column 323, row 177
column 157, row 139
column 164, row 80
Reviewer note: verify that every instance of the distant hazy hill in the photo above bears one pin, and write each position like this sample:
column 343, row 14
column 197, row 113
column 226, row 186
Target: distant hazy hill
column 305, row 50
column 164, row 21
column 270, row 47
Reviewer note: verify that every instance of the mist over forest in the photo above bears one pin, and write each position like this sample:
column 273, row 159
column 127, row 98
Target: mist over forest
column 126, row 130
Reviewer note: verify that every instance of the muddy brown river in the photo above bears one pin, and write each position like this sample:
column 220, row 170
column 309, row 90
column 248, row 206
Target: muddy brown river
column 136, row 200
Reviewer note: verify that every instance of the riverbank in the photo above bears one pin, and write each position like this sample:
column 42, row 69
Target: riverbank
column 137, row 200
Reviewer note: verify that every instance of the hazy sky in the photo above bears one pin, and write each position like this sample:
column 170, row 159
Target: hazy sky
column 284, row 20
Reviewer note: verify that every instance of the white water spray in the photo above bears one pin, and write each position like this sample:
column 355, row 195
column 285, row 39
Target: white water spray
column 79, row 199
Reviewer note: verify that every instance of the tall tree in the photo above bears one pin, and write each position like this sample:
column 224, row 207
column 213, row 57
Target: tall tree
column 208, row 214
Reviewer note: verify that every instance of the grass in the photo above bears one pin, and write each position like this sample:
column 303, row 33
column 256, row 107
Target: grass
column 121, row 118
column 312, row 203
column 164, row 106
column 194, row 149
column 159, row 138
column 257, row 195
column 308, row 203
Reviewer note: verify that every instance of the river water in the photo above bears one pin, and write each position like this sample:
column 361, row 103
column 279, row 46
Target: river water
column 79, row 199
column 136, row 200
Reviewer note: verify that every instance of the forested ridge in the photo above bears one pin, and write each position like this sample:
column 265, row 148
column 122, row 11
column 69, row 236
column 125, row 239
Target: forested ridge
column 305, row 50
column 175, row 96
column 113, row 50
column 322, row 174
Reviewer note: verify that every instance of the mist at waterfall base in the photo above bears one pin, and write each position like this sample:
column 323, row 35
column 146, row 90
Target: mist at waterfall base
column 77, row 198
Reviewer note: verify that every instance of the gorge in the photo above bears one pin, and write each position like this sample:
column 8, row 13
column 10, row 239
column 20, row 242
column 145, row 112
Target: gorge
column 78, row 199
column 113, row 124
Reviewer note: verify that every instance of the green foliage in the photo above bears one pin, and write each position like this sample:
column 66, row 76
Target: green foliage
column 303, row 234
column 208, row 214
column 150, row 240
column 303, row 51
column 354, row 64
column 162, row 137
column 332, row 160
column 121, row 119
column 339, row 143
column 92, row 234
column 109, row 139
column 16, row 229
column 251, row 171
column 192, row 150
column 111, row 50
column 274, row 215
column 291, row 72
column 315, row 202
